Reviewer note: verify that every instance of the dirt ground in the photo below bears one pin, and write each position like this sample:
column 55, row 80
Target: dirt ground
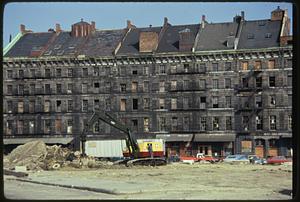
column 173, row 181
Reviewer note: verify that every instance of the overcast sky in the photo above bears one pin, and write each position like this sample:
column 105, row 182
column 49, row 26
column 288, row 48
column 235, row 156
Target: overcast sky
column 39, row 17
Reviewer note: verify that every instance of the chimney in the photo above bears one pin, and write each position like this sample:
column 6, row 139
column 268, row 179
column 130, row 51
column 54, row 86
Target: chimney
column 93, row 26
column 57, row 28
column 277, row 14
column 148, row 41
column 242, row 15
column 22, row 29
column 10, row 38
column 165, row 21
column 186, row 40
column 203, row 21
column 130, row 25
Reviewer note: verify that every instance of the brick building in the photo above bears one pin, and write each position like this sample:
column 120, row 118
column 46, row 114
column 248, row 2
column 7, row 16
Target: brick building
column 216, row 88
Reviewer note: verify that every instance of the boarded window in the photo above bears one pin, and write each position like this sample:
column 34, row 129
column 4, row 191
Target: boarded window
column 123, row 105
column 161, row 103
column 186, row 84
column 84, row 88
column 20, row 126
column 146, row 86
column 58, row 72
column 146, row 103
column 174, row 123
column 134, row 86
column 173, row 103
column 215, row 123
column 84, row 105
column 134, row 104
column 161, row 86
column 271, row 64
column 58, row 88
column 146, row 124
column 244, row 65
column 162, row 124
column 246, row 146
column 9, row 89
column 20, row 107
column 227, row 83
column 58, row 126
column 202, row 67
column 228, row 101
column 107, row 86
column 173, row 85
column 47, row 89
column 228, row 66
column 47, row 106
column 21, row 89
column 185, row 102
column 9, row 74
column 186, row 123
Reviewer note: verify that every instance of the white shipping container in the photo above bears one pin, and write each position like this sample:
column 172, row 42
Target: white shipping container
column 105, row 148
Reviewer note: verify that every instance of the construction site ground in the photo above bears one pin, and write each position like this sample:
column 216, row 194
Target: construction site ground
column 173, row 181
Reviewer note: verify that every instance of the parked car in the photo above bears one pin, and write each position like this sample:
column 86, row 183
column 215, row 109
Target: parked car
column 278, row 160
column 257, row 160
column 236, row 158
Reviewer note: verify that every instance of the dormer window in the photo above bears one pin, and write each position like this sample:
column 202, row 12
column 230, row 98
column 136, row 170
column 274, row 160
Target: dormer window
column 250, row 36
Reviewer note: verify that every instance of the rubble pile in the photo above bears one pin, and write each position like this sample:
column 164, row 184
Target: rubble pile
column 36, row 155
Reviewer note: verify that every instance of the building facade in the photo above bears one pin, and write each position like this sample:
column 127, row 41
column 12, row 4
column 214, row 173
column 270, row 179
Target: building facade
column 214, row 88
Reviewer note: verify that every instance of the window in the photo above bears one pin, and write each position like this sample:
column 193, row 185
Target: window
column 9, row 89
column 258, row 102
column 134, row 124
column 9, row 106
column 123, row 105
column 107, row 86
column 70, row 105
column 228, row 123
column 258, row 82
column 244, row 65
column 227, row 66
column 289, row 80
column 161, row 86
column 146, row 103
column 227, row 83
column 9, row 74
column 162, row 69
column 186, row 123
column 70, row 72
column 9, row 126
column 58, row 105
column 146, row 86
column 96, row 127
column 58, row 88
column 290, row 99
column 257, row 65
column 272, row 100
column 186, row 84
column 215, row 123
column 107, row 70
column 123, row 70
column 174, row 124
column 47, row 73
column 58, row 72
column 31, row 106
column 268, row 35
column 272, row 122
column 271, row 64
column 47, row 106
column 20, row 107
column 272, row 81
column 84, row 88
column 173, row 85
column 32, row 73
column 47, row 125
column 96, row 71
column 134, row 86
column 107, row 104
column 21, row 89
column 258, row 120
column 250, row 36
column 97, row 85
column 173, row 69
column 245, row 82
column 202, row 84
column 21, row 74
column 31, row 127
column 146, row 124
column 146, row 70
column 173, row 103
column 202, row 67
column 228, row 101
column 202, row 102
column 186, row 68
column 215, row 67
column 161, row 103
column 85, row 72
column 84, row 105
column 47, row 89
column 162, row 124
column 20, row 126
column 245, row 123
column 134, row 104
column 134, row 72
column 215, row 83
column 123, row 87
column 290, row 122
column 58, row 125
column 215, row 102
column 185, row 102
column 70, row 88
column 69, row 126
column 202, row 123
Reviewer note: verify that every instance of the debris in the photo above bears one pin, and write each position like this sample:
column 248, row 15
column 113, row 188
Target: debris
column 20, row 168
column 14, row 173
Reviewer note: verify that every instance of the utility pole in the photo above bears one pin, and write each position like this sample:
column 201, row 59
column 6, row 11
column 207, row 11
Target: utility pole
column 10, row 38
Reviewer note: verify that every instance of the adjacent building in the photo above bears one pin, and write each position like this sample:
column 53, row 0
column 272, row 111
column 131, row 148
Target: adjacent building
column 214, row 88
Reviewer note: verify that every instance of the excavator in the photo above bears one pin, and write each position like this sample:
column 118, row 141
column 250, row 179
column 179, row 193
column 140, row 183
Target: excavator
column 134, row 155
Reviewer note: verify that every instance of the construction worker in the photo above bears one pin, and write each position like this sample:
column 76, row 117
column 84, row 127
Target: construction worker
column 150, row 150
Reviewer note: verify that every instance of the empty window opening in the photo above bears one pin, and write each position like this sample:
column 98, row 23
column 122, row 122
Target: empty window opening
column 123, row 105
column 134, row 104
column 58, row 105
column 215, row 123
column 123, row 87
